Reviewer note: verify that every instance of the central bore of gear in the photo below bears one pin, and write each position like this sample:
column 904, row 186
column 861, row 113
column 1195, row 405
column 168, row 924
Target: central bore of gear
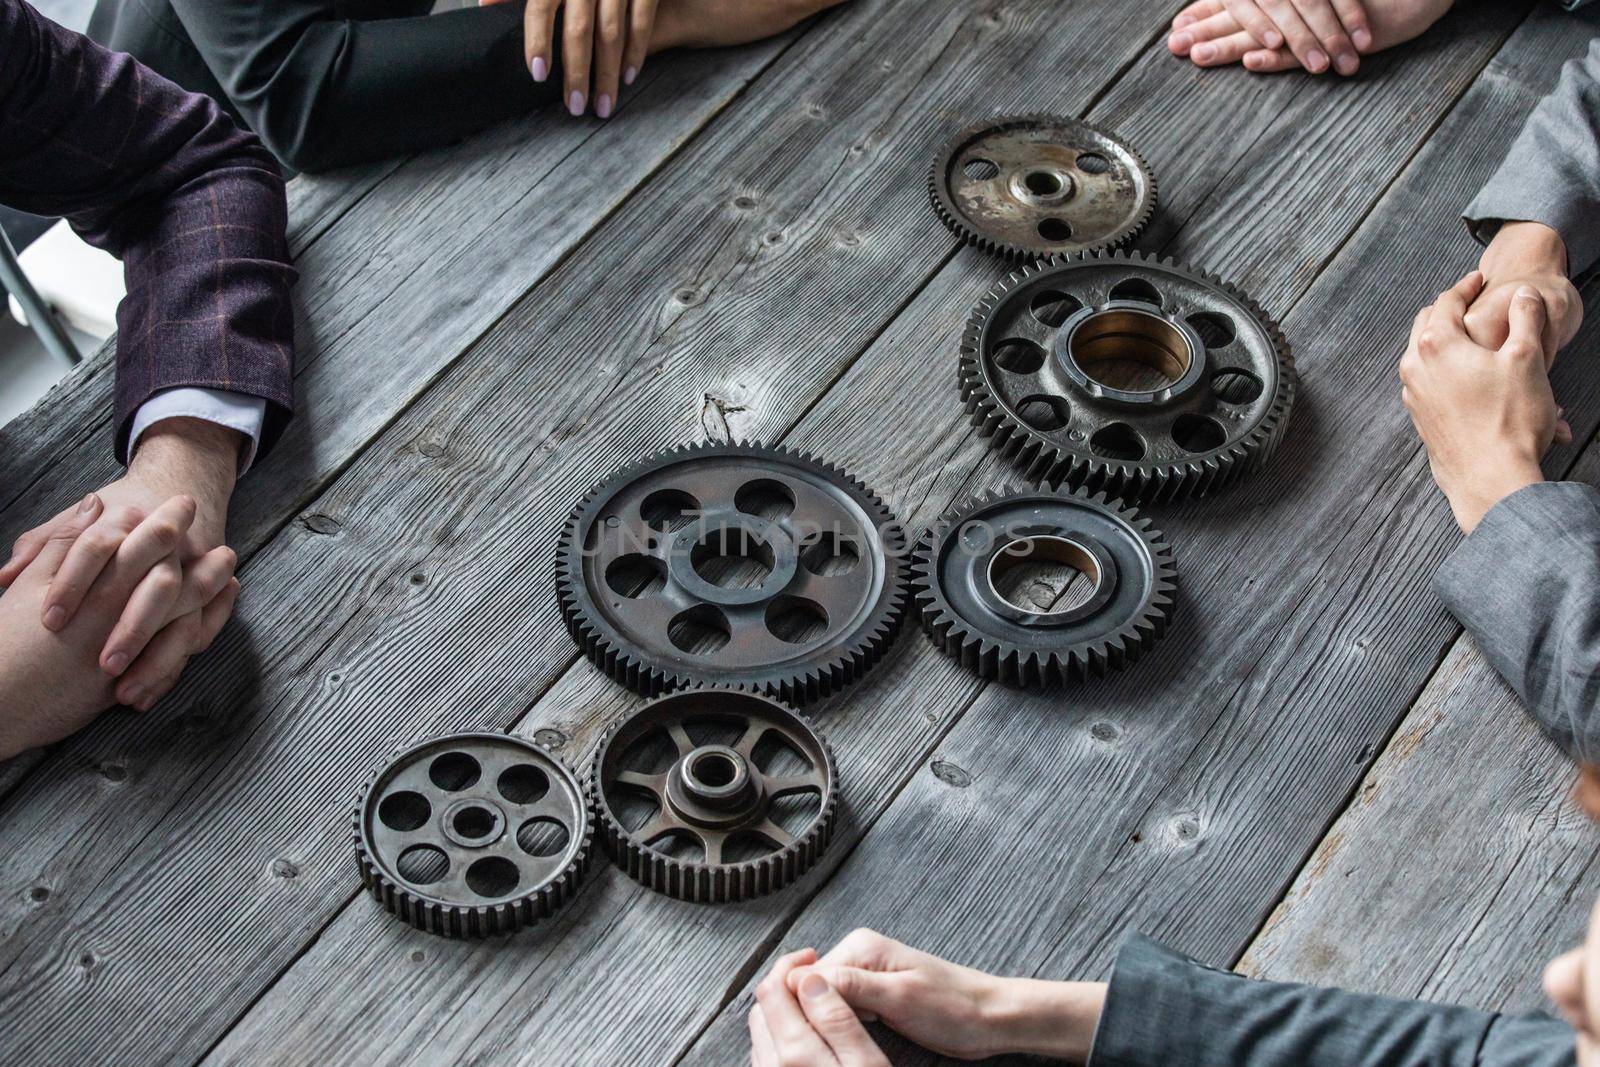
column 715, row 777
column 732, row 557
column 1132, row 351
column 1042, row 185
column 1042, row 574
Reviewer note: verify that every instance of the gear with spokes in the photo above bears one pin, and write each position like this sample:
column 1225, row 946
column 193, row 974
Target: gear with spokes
column 732, row 565
column 714, row 795
column 1033, row 186
column 472, row 834
column 1140, row 377
column 1041, row 587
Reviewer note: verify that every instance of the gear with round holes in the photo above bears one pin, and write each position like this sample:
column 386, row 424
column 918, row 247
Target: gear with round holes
column 473, row 834
column 714, row 795
column 732, row 565
column 1042, row 587
column 1139, row 377
column 1033, row 186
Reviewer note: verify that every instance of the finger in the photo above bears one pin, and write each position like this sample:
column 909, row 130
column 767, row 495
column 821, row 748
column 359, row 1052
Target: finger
column 1230, row 49
column 1297, row 36
column 158, row 669
column 763, row 1050
column 1215, row 24
column 831, row 1017
column 871, row 993
column 91, row 552
column 149, row 608
column 641, row 25
column 1450, row 310
column 1353, row 14
column 1324, row 21
column 28, row 546
column 1266, row 61
column 1526, row 320
column 1563, row 433
column 1563, row 984
column 1196, row 11
column 538, row 36
column 577, row 42
column 610, row 37
column 791, row 1032
column 1254, row 21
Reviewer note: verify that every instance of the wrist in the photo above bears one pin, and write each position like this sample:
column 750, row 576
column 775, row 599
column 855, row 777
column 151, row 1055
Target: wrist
column 194, row 447
column 1052, row 1019
column 1472, row 499
column 1523, row 248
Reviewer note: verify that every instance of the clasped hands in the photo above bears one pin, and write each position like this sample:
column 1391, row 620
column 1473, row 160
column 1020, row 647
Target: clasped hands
column 106, row 602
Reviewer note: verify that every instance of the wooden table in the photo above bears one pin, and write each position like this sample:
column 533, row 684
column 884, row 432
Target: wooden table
column 1313, row 776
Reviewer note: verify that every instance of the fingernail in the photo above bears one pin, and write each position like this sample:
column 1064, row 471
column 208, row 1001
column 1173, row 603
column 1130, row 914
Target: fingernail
column 87, row 505
column 1182, row 21
column 1317, row 60
column 813, row 986
column 1204, row 52
column 602, row 105
column 117, row 662
column 575, row 103
column 1346, row 63
column 132, row 697
column 540, row 69
column 1180, row 41
column 1527, row 292
column 54, row 618
column 1362, row 39
column 629, row 74
column 1274, row 39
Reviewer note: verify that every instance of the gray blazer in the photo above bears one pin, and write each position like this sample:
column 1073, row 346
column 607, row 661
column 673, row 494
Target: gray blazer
column 1524, row 585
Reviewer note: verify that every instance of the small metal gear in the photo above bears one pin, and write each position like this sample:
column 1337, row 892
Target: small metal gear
column 714, row 795
column 472, row 834
column 1144, row 378
column 1032, row 186
column 1041, row 587
column 732, row 565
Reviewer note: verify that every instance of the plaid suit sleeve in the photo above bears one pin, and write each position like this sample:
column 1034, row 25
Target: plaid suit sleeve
column 162, row 179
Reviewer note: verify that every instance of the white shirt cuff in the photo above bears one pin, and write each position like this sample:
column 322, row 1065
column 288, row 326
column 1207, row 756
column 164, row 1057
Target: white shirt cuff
column 236, row 411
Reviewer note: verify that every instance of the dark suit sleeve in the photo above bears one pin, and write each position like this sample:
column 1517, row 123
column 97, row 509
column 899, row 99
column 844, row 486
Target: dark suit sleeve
column 164, row 180
column 324, row 91
column 1163, row 1010
column 1526, row 585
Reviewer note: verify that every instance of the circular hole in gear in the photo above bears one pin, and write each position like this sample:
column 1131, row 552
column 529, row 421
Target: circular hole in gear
column 1232, row 386
column 1053, row 308
column 1093, row 163
column 453, row 771
column 732, row 558
column 422, row 864
column 1136, row 289
column 1044, row 575
column 1198, row 433
column 493, row 876
column 765, row 498
column 404, row 810
column 1128, row 350
column 1117, row 441
column 1018, row 356
column 636, row 575
column 542, row 837
column 1055, row 230
column 1042, row 183
column 1044, row 412
column 700, row 630
column 827, row 555
column 473, row 822
column 1216, row 330
column 980, row 170
column 522, row 784
column 796, row 620
column 668, row 509
column 714, row 769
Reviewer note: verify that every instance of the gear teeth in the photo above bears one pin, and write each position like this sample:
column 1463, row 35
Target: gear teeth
column 991, row 657
column 945, row 208
column 1042, row 459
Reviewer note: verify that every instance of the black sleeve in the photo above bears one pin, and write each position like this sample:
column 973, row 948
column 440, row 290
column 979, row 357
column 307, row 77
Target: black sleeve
column 324, row 91
column 1163, row 1010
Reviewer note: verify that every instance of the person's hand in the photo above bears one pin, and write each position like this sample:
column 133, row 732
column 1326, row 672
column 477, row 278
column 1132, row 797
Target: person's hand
column 809, row 1025
column 611, row 35
column 1525, row 253
column 1572, row 981
column 1486, row 415
column 50, row 686
column 954, row 1010
column 176, row 457
column 1268, row 36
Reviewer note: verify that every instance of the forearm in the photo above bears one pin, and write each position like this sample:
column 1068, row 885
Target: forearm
column 1056, row 1020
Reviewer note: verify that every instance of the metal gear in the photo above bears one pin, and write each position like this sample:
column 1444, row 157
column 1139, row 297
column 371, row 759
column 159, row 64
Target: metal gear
column 732, row 565
column 1041, row 587
column 1032, row 186
column 714, row 795
column 472, row 834
column 1144, row 378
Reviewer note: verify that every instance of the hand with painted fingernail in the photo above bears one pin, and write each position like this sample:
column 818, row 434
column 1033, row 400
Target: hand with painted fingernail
column 603, row 40
column 1268, row 36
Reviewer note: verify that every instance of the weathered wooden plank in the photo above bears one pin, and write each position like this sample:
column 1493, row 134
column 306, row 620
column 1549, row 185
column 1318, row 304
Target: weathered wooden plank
column 682, row 959
column 806, row 205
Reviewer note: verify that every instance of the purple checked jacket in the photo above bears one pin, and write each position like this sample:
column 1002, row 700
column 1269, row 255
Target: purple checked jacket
column 165, row 181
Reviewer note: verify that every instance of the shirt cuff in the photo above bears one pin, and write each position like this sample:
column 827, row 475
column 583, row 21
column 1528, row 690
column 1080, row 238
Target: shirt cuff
column 236, row 411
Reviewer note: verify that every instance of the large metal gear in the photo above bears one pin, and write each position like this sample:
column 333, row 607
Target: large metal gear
column 714, row 795
column 732, row 565
column 1042, row 587
column 472, row 834
column 1033, row 186
column 1140, row 377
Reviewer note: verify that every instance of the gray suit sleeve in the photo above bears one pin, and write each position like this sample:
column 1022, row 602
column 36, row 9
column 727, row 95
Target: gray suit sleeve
column 1164, row 1010
column 1552, row 173
column 1526, row 585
